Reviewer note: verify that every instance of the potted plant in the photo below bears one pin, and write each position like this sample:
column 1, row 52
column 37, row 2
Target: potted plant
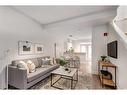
column 71, row 50
column 63, row 62
column 103, row 58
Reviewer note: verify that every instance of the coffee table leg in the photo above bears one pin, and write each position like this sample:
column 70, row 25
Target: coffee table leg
column 71, row 82
column 51, row 79
column 77, row 75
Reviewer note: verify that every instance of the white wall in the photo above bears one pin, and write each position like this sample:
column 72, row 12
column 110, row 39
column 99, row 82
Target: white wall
column 99, row 43
column 121, row 61
column 15, row 27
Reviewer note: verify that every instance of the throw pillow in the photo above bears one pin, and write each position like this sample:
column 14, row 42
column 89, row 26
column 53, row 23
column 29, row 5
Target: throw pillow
column 35, row 61
column 31, row 66
column 22, row 64
column 46, row 61
column 47, row 58
column 51, row 61
column 54, row 61
column 39, row 62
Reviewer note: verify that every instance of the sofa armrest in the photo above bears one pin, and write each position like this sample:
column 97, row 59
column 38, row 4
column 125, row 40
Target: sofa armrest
column 17, row 77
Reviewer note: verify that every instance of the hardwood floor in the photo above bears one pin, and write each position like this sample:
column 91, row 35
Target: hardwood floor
column 85, row 68
column 96, row 83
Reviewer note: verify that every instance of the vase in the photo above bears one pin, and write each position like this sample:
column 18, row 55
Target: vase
column 64, row 68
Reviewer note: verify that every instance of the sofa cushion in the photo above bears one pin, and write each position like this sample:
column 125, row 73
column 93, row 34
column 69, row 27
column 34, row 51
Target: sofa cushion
column 35, row 61
column 31, row 66
column 40, row 72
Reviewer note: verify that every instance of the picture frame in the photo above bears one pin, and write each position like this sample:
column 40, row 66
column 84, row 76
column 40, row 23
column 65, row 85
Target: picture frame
column 39, row 48
column 25, row 48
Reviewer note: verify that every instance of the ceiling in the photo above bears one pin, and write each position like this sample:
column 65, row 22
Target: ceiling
column 59, row 15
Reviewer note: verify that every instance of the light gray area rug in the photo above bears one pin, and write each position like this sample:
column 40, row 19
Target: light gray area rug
column 84, row 82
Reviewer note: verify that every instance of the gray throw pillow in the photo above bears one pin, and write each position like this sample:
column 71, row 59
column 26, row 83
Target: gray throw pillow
column 39, row 62
column 46, row 62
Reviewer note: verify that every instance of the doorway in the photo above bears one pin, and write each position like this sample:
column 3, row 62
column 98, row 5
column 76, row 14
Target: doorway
column 87, row 49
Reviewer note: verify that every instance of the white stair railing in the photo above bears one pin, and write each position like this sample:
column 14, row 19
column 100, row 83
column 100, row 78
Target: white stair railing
column 119, row 24
column 119, row 31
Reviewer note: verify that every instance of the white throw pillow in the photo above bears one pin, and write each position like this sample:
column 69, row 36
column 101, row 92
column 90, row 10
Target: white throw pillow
column 22, row 64
column 31, row 66
column 47, row 58
column 52, row 62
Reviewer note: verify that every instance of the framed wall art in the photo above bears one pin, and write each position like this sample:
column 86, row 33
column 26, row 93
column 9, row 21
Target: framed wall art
column 25, row 47
column 39, row 48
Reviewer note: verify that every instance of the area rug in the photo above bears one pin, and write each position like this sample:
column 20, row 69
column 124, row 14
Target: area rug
column 84, row 82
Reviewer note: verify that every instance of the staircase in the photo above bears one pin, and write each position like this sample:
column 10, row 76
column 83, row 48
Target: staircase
column 120, row 23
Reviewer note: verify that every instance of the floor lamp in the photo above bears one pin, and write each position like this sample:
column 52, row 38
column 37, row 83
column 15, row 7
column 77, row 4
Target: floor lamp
column 55, row 50
column 54, row 53
column 4, row 60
